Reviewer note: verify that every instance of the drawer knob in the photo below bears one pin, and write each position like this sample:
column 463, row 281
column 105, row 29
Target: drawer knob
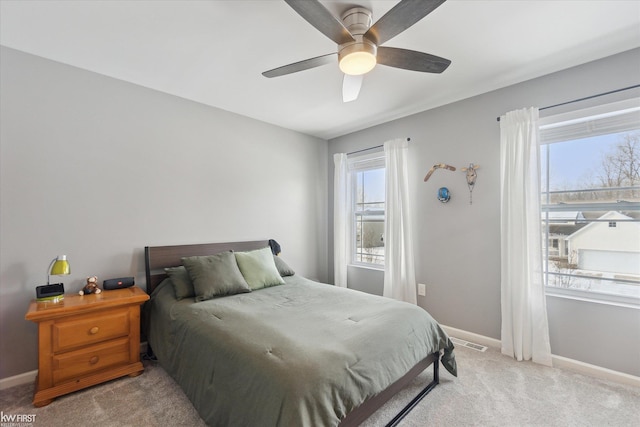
column 94, row 330
column 94, row 360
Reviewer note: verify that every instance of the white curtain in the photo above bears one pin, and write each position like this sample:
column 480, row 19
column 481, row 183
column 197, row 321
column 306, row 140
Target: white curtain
column 340, row 220
column 399, row 271
column 525, row 330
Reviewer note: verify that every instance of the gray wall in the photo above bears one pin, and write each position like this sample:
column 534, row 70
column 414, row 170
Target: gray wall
column 96, row 169
column 457, row 245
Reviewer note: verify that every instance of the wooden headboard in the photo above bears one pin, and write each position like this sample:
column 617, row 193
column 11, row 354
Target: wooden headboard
column 157, row 258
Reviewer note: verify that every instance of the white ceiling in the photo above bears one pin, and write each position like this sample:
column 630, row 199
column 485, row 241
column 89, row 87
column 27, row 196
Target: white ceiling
column 213, row 52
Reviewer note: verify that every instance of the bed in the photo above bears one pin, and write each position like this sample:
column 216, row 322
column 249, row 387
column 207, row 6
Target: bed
column 299, row 353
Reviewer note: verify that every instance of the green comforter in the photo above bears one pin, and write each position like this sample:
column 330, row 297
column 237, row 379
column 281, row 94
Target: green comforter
column 299, row 354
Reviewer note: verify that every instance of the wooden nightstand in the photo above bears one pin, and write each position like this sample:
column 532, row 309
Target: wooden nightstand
column 86, row 340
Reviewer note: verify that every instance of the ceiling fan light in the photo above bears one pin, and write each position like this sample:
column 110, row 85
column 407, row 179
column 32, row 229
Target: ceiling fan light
column 357, row 63
column 357, row 58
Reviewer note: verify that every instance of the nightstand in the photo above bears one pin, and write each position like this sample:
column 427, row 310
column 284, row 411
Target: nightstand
column 86, row 340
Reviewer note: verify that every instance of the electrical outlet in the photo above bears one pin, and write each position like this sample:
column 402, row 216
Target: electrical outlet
column 422, row 289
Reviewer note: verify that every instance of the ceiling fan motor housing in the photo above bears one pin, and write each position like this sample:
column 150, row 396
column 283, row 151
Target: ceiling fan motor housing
column 357, row 20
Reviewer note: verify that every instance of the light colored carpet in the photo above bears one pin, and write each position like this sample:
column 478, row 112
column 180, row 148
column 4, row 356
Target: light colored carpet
column 491, row 390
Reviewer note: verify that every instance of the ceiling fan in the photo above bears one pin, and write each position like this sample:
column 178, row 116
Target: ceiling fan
column 359, row 42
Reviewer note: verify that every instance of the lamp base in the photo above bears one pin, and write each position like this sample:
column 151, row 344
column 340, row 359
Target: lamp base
column 55, row 299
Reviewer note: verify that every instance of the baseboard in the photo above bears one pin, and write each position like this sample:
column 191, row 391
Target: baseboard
column 29, row 377
column 472, row 337
column 594, row 371
column 558, row 361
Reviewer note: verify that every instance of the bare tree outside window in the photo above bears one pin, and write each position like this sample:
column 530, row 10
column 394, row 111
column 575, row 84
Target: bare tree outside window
column 620, row 167
column 564, row 267
column 588, row 184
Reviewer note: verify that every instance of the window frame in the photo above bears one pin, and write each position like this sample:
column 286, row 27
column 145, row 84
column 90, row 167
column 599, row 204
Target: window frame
column 556, row 123
column 355, row 165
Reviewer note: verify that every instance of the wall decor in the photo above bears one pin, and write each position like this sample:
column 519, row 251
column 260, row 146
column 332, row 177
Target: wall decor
column 471, row 179
column 438, row 166
column 444, row 195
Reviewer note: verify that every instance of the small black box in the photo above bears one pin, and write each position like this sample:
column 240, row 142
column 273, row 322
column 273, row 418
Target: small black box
column 53, row 292
column 122, row 282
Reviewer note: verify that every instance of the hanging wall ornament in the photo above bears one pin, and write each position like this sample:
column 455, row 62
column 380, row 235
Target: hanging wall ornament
column 438, row 166
column 471, row 179
column 443, row 194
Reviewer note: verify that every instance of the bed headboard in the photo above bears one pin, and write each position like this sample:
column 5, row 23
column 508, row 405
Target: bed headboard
column 157, row 258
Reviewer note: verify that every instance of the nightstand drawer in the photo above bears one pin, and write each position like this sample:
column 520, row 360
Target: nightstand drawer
column 89, row 329
column 73, row 364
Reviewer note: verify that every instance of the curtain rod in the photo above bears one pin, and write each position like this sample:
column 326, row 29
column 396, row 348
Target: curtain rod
column 587, row 97
column 370, row 148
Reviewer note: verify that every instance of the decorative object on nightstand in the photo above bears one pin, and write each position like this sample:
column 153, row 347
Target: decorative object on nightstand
column 86, row 340
column 59, row 266
column 91, row 287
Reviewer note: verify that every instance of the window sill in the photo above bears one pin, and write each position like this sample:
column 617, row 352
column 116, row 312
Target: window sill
column 593, row 297
column 367, row 266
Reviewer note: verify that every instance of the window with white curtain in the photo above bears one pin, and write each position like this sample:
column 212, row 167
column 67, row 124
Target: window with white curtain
column 590, row 190
column 367, row 196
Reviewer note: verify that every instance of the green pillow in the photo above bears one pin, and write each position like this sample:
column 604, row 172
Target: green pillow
column 215, row 275
column 282, row 267
column 259, row 268
column 182, row 285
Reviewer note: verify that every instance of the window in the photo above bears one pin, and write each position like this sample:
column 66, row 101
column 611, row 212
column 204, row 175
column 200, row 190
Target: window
column 590, row 189
column 366, row 175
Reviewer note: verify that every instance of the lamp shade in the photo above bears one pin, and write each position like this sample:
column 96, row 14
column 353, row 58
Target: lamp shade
column 60, row 266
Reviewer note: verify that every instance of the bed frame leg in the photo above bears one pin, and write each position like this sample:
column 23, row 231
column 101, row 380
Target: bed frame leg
column 149, row 355
column 436, row 380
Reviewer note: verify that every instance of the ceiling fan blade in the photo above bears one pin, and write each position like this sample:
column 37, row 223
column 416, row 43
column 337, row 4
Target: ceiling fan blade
column 301, row 65
column 411, row 60
column 318, row 16
column 351, row 87
column 399, row 18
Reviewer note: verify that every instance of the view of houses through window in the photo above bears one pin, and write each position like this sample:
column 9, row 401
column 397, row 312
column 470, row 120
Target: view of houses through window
column 367, row 184
column 590, row 191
